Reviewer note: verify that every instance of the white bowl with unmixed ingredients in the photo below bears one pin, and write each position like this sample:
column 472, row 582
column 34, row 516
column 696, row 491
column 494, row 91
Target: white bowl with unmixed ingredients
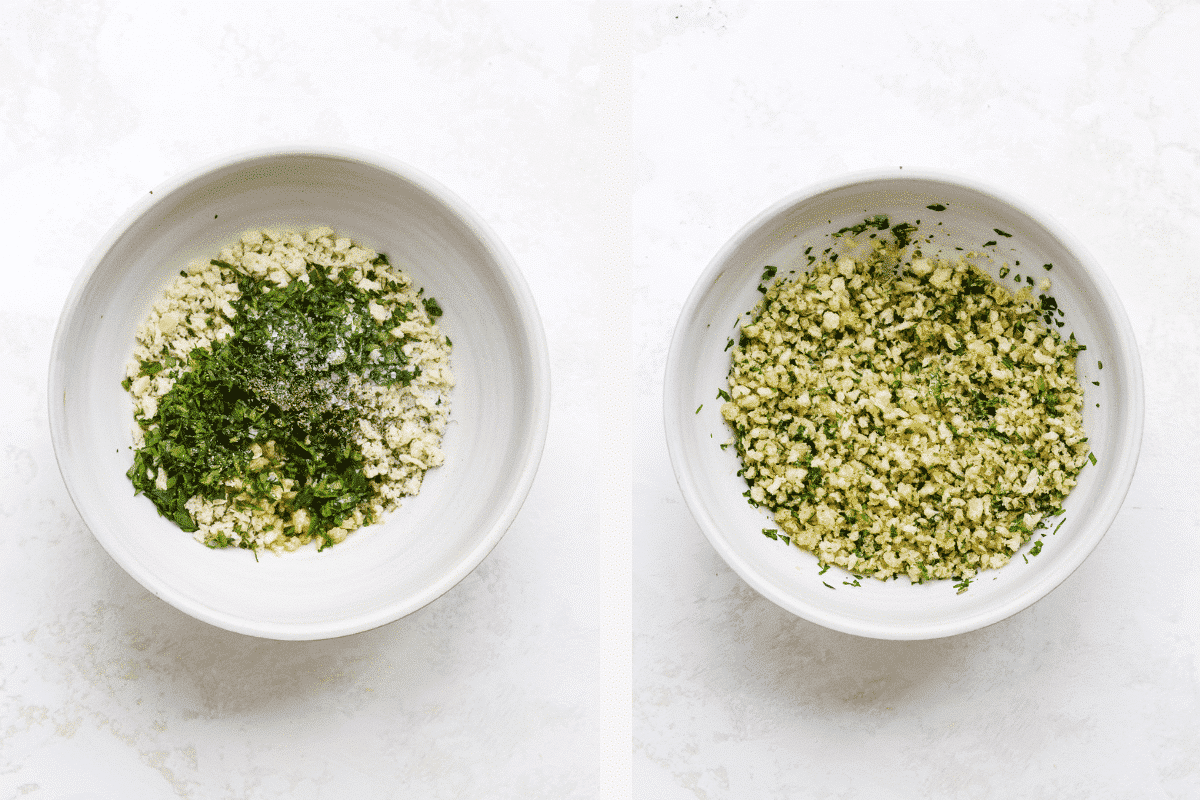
column 977, row 219
column 499, row 406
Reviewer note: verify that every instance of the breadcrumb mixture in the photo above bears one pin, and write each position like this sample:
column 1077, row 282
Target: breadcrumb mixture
column 906, row 418
column 396, row 425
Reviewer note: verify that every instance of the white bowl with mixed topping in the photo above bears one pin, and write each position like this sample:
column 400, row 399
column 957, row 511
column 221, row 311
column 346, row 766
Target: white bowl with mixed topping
column 417, row 264
column 871, row 467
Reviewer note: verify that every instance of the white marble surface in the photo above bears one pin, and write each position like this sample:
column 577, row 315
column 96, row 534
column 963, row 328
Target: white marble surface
column 613, row 149
column 514, row 684
column 1090, row 112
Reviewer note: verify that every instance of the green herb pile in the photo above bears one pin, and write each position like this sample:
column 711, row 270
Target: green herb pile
column 266, row 418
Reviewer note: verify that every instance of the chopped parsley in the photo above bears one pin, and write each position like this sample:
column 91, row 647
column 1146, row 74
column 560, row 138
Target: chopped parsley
column 904, row 233
column 879, row 222
column 267, row 418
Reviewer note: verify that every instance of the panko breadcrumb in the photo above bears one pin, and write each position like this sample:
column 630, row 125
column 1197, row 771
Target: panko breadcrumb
column 905, row 418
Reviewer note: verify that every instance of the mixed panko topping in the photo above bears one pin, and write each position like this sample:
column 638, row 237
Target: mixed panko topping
column 291, row 390
column 905, row 416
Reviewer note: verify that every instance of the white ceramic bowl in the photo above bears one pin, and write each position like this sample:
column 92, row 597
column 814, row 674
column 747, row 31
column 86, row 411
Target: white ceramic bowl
column 698, row 363
column 499, row 412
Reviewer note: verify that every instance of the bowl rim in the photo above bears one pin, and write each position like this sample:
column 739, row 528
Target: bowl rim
column 1128, row 440
column 538, row 399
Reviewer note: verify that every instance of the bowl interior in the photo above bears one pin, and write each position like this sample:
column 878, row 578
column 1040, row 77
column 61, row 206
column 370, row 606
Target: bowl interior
column 698, row 364
column 499, row 407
